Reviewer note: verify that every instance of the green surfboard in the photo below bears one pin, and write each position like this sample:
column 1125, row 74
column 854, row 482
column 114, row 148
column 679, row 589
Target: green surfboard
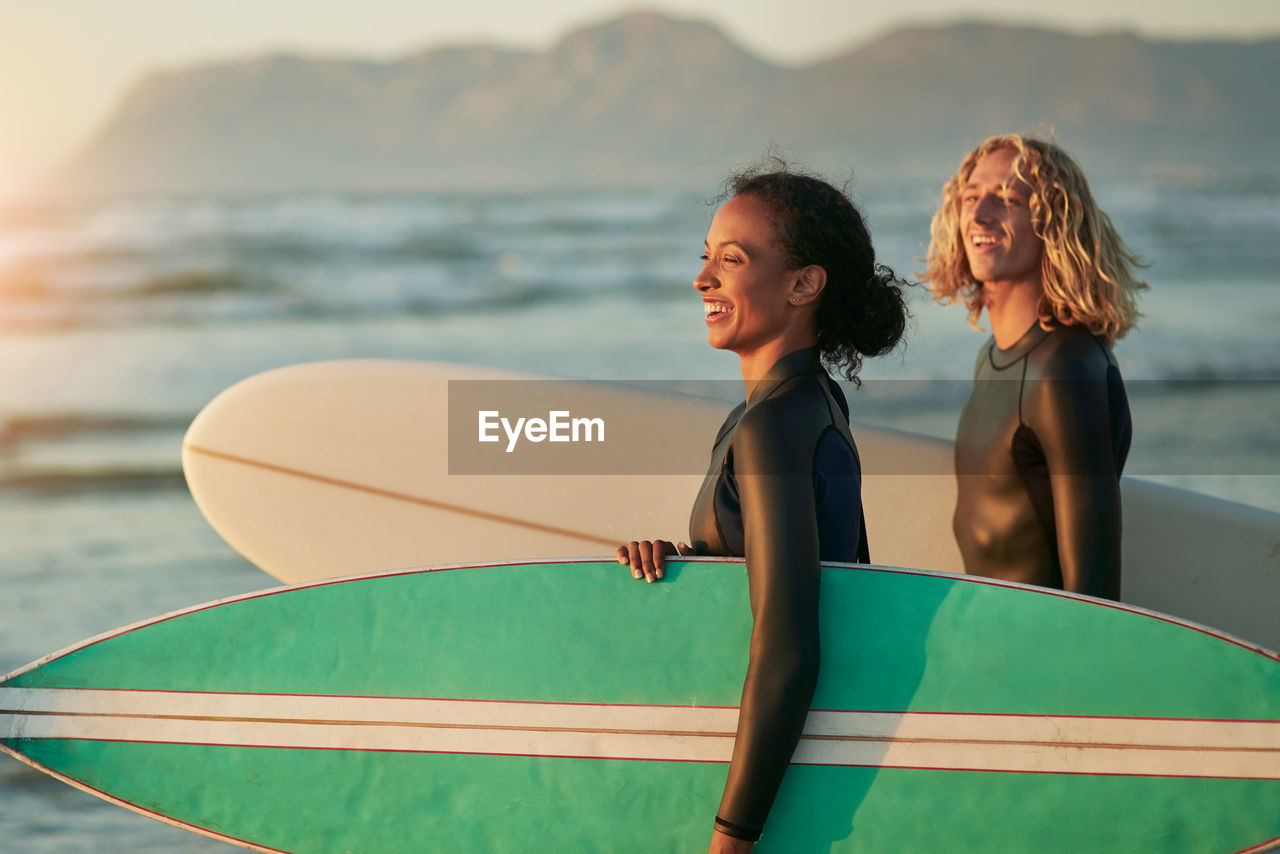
column 563, row 706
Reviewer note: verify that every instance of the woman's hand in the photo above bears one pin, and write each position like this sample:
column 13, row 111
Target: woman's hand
column 648, row 557
column 723, row 843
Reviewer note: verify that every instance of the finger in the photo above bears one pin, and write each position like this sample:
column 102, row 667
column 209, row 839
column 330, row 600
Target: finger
column 684, row 549
column 633, row 557
column 661, row 548
column 646, row 557
column 623, row 557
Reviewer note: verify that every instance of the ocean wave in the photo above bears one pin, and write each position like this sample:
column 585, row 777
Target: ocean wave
column 69, row 451
column 442, row 247
column 202, row 282
column 124, row 479
column 17, row 428
column 209, row 297
column 1201, row 376
column 19, row 775
column 125, row 277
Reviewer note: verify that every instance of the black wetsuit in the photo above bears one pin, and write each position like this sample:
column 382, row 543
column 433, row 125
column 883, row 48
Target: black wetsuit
column 793, row 429
column 1039, row 451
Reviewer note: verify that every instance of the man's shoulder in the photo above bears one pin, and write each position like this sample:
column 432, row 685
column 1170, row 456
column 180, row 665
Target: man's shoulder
column 983, row 357
column 1071, row 353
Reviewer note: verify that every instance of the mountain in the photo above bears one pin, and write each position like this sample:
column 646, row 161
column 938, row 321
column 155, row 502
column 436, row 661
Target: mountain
column 650, row 99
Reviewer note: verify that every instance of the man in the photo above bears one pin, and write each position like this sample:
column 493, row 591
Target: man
column 1044, row 435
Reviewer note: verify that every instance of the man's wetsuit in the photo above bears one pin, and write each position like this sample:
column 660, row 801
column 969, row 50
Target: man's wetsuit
column 784, row 491
column 1039, row 451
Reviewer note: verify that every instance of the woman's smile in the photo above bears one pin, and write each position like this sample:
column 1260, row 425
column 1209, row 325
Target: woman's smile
column 716, row 312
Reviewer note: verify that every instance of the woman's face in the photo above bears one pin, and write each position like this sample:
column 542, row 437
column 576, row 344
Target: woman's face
column 742, row 279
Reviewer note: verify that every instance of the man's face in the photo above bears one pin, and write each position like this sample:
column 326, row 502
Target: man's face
column 995, row 223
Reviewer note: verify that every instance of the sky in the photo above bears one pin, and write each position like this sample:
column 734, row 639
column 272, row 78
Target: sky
column 64, row 64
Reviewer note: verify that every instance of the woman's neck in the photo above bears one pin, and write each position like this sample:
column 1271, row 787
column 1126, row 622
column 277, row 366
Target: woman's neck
column 756, row 363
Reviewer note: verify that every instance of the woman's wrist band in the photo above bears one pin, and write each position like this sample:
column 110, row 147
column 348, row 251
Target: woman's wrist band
column 737, row 831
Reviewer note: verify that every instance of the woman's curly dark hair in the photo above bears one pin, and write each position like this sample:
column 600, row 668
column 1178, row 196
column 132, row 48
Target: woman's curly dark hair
column 862, row 311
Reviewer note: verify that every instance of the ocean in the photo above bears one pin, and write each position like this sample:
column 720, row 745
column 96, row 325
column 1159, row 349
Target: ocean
column 119, row 320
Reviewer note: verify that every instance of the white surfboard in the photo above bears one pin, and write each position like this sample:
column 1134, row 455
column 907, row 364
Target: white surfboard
column 325, row 469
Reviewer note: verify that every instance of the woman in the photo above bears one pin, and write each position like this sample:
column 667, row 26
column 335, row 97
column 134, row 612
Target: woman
column 789, row 279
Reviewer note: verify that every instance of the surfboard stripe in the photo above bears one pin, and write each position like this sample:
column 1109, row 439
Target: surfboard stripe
column 1020, row 743
column 611, row 542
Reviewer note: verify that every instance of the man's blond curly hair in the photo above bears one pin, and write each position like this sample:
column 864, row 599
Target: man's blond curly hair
column 1086, row 271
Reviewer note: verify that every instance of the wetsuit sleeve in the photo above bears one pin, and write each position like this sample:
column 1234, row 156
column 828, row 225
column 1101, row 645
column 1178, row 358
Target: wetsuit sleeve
column 1071, row 417
column 775, row 485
